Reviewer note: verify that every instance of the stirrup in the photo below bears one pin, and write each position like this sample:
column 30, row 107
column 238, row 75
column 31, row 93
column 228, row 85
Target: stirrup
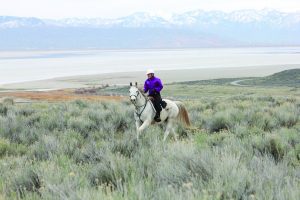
column 163, row 104
column 157, row 119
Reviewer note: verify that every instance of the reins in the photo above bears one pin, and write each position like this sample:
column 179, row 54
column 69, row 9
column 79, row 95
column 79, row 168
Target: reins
column 144, row 106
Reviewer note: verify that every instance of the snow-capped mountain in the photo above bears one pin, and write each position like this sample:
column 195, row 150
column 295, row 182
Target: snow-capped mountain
column 266, row 16
column 17, row 22
column 142, row 30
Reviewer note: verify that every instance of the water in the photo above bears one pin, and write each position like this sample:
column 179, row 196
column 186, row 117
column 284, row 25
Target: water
column 19, row 66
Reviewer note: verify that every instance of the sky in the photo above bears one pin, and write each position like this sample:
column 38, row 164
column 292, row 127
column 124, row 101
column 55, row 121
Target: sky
column 57, row 9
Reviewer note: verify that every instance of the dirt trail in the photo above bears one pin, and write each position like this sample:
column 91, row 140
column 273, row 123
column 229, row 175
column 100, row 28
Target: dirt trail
column 237, row 82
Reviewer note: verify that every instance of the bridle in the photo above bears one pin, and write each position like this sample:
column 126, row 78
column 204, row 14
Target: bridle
column 137, row 107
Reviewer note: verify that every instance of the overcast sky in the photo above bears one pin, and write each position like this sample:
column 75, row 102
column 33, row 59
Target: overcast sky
column 118, row 8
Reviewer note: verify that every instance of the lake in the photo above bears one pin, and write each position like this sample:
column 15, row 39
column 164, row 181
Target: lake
column 19, row 66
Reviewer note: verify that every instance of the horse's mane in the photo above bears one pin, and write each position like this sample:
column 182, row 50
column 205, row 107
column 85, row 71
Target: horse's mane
column 142, row 92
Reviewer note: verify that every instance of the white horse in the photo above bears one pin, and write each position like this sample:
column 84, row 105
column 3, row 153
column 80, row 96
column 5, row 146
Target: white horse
column 145, row 112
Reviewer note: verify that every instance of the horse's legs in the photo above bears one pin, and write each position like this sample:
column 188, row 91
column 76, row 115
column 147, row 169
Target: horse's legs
column 141, row 128
column 174, row 133
column 137, row 124
column 168, row 128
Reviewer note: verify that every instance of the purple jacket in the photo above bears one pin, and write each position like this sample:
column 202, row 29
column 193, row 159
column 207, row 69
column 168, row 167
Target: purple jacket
column 152, row 85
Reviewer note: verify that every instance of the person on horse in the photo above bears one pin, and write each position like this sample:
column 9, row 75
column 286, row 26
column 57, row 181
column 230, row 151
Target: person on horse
column 153, row 86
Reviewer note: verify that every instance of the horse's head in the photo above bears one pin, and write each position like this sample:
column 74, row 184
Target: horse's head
column 134, row 92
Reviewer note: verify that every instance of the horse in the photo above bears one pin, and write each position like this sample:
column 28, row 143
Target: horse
column 145, row 112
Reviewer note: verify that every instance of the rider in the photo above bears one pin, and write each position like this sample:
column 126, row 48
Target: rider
column 153, row 85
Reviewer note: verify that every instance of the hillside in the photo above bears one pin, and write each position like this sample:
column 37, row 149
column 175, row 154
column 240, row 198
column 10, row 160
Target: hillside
column 289, row 78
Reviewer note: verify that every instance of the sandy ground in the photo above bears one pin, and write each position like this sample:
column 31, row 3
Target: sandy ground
column 54, row 96
column 167, row 76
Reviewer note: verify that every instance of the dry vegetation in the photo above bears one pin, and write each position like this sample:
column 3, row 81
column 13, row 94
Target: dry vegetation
column 245, row 145
column 58, row 95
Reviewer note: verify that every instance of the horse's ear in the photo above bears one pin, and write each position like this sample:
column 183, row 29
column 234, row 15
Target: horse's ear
column 130, row 84
column 136, row 84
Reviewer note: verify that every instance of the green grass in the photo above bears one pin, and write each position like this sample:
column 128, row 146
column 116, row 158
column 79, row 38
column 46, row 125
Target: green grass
column 244, row 144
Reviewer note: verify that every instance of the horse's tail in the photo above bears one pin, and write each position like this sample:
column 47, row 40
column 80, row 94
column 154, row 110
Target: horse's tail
column 183, row 114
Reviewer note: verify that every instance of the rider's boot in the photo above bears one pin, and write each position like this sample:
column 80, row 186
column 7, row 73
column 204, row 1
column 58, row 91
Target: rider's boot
column 157, row 117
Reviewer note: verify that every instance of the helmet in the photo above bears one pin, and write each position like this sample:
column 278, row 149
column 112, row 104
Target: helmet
column 150, row 71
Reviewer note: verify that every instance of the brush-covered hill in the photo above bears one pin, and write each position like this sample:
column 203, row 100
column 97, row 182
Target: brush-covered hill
column 289, row 78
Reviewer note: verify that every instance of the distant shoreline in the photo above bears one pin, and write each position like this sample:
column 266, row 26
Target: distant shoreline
column 167, row 76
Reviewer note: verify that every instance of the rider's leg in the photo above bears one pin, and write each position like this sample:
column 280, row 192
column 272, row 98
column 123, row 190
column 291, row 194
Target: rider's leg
column 157, row 107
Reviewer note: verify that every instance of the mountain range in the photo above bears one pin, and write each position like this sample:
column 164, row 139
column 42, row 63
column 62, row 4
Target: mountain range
column 141, row 30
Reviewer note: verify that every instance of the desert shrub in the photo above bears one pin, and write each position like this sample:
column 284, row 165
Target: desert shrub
column 266, row 98
column 292, row 136
column 271, row 180
column 218, row 138
column 70, row 142
column 268, row 123
column 112, row 170
column 272, row 145
column 118, row 120
column 181, row 165
column 11, row 128
column 243, row 131
column 45, row 147
column 212, row 105
column 240, row 131
column 201, row 139
column 90, row 152
column 25, row 181
column 253, row 118
column 125, row 146
column 293, row 156
column 15, row 129
column 297, row 151
column 287, row 115
column 3, row 109
column 4, row 148
column 82, row 125
column 28, row 135
column 62, row 178
column 145, row 162
column 81, row 104
column 52, row 120
column 25, row 111
column 7, row 148
column 220, row 121
column 63, row 190
column 197, row 118
column 236, row 116
column 94, row 115
column 33, row 120
column 8, row 101
column 230, row 180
